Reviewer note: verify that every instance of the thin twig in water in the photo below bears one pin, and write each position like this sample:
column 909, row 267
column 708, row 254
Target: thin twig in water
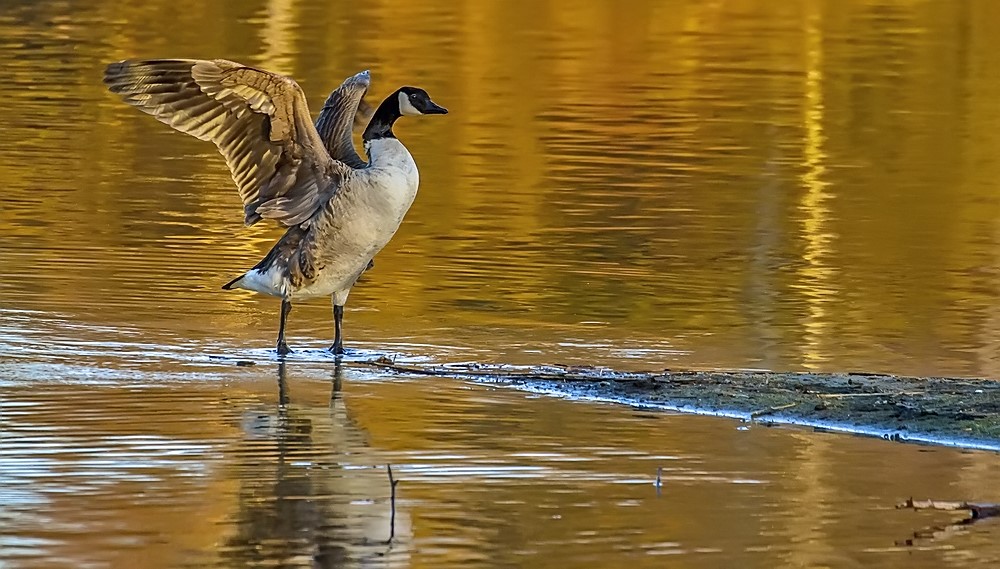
column 385, row 363
column 392, row 504
column 447, row 372
column 770, row 410
column 527, row 375
column 889, row 394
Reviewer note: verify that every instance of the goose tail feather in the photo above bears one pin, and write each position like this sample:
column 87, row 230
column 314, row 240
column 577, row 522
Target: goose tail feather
column 235, row 283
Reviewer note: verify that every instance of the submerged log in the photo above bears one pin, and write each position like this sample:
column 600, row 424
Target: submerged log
column 978, row 510
column 932, row 409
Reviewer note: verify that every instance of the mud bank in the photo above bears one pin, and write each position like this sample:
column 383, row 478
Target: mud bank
column 964, row 412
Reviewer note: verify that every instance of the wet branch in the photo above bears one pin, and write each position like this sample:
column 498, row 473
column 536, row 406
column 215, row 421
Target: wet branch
column 386, row 363
column 565, row 373
column 392, row 504
column 439, row 371
column 977, row 512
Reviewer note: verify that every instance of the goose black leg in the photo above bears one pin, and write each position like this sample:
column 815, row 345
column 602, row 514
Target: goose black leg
column 338, row 338
column 286, row 307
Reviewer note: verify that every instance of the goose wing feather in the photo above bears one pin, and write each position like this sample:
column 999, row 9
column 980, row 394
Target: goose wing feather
column 344, row 108
column 258, row 120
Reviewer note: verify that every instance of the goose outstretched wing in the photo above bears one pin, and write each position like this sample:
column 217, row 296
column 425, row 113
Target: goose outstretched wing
column 343, row 108
column 259, row 121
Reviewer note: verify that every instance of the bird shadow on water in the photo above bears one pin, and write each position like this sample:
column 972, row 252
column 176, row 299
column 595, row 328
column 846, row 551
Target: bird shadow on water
column 309, row 488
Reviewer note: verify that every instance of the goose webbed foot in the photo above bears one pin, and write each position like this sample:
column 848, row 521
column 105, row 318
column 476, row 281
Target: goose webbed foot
column 337, row 349
column 283, row 349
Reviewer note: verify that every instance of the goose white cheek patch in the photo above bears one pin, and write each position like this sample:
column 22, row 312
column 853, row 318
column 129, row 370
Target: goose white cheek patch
column 406, row 107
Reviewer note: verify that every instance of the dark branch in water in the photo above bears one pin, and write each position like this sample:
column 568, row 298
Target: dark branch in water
column 392, row 504
column 978, row 511
column 476, row 371
column 386, row 363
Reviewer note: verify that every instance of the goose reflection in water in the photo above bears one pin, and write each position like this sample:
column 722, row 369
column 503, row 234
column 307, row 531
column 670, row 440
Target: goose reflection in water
column 327, row 502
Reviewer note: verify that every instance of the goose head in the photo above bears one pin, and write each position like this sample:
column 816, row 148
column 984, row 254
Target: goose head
column 406, row 101
column 415, row 101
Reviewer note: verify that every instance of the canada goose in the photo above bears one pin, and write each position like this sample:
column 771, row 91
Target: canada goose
column 339, row 211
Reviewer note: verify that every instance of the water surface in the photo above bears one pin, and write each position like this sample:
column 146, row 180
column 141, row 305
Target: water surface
column 794, row 186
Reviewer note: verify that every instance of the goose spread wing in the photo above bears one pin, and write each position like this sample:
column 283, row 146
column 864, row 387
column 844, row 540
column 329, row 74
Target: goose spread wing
column 259, row 121
column 343, row 108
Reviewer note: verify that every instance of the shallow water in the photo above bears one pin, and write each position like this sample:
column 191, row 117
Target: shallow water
column 794, row 186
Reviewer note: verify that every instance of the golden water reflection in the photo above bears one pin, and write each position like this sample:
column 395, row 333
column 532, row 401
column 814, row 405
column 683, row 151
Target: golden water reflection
column 733, row 184
column 789, row 185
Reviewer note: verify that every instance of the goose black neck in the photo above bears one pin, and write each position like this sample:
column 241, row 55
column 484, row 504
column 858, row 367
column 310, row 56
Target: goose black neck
column 381, row 124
